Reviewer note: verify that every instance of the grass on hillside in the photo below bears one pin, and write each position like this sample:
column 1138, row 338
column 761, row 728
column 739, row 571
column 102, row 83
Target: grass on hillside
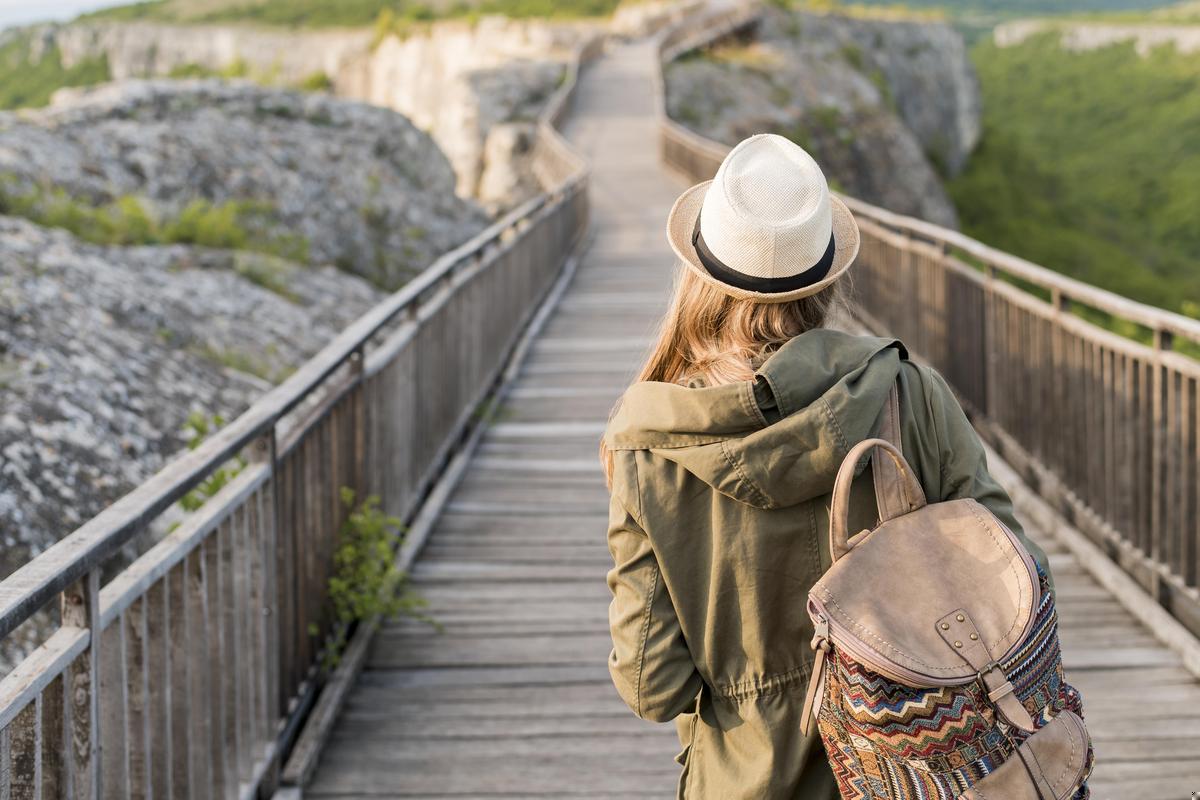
column 236, row 225
column 346, row 13
column 25, row 82
column 1090, row 165
column 1016, row 8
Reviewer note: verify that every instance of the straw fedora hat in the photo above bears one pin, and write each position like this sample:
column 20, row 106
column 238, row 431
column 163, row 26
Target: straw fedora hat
column 765, row 227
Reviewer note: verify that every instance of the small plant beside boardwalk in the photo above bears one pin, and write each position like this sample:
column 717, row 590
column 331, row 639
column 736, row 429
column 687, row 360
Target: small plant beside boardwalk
column 366, row 583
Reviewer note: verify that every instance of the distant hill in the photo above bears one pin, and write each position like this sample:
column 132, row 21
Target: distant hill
column 1090, row 164
column 337, row 13
column 1021, row 8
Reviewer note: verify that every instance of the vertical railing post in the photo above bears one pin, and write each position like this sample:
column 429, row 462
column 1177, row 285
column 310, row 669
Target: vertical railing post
column 358, row 368
column 80, row 608
column 1163, row 342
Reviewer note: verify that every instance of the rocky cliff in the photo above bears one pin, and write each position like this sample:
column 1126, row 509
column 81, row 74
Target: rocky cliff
column 108, row 346
column 106, row 351
column 475, row 87
column 888, row 108
column 304, row 175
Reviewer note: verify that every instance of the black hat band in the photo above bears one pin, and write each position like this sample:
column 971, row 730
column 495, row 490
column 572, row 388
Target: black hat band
column 740, row 280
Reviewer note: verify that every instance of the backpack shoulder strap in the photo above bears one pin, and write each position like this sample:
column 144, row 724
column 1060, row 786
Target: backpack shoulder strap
column 889, row 493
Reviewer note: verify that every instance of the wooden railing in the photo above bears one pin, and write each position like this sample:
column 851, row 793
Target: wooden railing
column 187, row 673
column 1106, row 427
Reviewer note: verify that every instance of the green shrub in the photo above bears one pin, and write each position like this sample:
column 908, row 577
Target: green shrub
column 197, row 428
column 192, row 70
column 316, row 82
column 131, row 223
column 366, row 582
column 208, row 225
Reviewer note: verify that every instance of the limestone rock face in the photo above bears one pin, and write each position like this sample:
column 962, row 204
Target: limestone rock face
column 461, row 82
column 883, row 106
column 348, row 183
column 454, row 80
column 105, row 351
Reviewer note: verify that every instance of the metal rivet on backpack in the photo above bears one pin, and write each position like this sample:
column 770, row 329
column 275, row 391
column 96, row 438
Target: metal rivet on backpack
column 945, row 626
column 958, row 644
column 974, row 637
column 960, row 618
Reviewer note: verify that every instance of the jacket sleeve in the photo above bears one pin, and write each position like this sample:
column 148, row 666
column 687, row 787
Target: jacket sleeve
column 964, row 471
column 650, row 663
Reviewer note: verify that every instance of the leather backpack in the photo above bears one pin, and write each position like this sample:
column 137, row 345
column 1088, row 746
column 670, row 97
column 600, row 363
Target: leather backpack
column 938, row 672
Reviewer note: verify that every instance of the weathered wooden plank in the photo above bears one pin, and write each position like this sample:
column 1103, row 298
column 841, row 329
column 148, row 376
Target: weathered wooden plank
column 392, row 652
column 54, row 740
column 138, row 708
column 497, row 776
column 159, row 693
column 81, row 609
column 24, row 776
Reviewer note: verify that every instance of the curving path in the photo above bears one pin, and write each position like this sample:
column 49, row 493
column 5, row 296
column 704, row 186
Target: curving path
column 514, row 699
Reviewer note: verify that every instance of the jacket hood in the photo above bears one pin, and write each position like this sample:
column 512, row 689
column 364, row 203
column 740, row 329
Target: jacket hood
column 776, row 440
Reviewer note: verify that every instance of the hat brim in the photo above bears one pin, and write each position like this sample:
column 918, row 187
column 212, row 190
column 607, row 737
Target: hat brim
column 682, row 221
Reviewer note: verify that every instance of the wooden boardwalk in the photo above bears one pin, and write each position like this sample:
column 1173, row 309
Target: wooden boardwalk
column 513, row 699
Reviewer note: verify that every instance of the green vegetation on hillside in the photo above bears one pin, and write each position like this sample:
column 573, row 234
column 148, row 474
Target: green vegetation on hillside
column 235, row 225
column 25, row 81
column 1090, row 165
column 346, row 13
column 1016, row 8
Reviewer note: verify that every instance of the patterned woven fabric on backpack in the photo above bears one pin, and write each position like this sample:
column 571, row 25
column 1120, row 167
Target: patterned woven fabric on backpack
column 938, row 672
column 887, row 741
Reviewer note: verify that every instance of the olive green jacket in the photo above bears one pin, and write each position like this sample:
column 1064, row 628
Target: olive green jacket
column 719, row 527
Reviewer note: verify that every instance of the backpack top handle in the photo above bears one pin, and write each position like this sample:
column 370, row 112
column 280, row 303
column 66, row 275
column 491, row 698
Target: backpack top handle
column 910, row 490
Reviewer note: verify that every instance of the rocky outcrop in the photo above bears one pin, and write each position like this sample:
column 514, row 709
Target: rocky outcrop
column 1077, row 36
column 339, row 181
column 105, row 351
column 888, row 108
column 478, row 89
column 475, row 87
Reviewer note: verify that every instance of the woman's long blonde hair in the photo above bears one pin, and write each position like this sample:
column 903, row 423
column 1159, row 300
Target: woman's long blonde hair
column 711, row 338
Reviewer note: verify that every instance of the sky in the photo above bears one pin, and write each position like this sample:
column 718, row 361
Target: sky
column 19, row 12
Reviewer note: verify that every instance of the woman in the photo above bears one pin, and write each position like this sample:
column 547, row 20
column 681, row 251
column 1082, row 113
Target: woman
column 721, row 459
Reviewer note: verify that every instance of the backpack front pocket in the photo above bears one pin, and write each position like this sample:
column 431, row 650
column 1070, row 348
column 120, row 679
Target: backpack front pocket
column 1062, row 745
